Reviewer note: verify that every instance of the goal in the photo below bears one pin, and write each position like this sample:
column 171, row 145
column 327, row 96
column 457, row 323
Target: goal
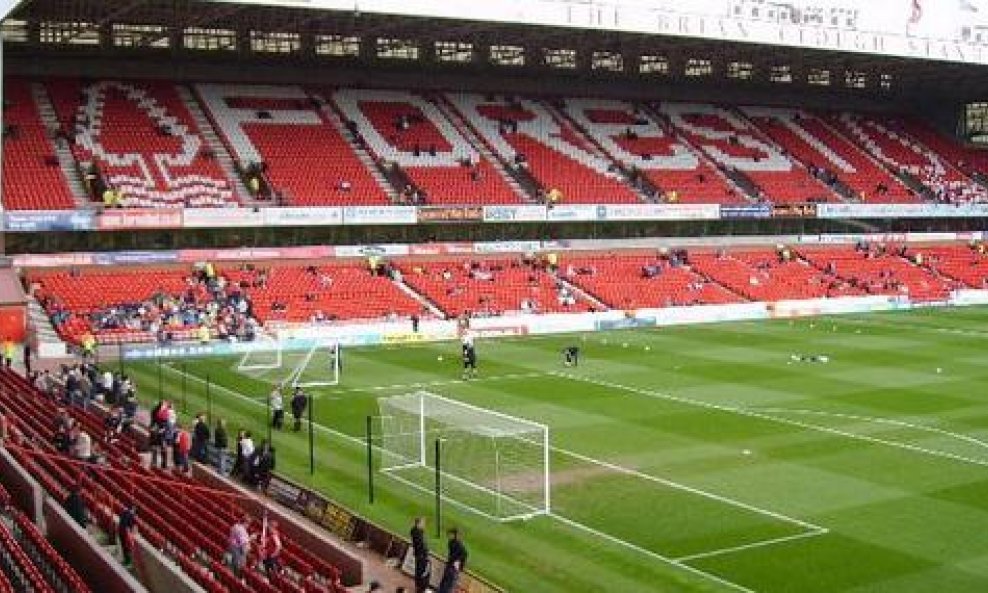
column 490, row 463
column 319, row 366
column 262, row 356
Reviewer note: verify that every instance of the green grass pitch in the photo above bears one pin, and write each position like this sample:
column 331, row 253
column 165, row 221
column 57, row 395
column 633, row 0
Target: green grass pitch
column 697, row 458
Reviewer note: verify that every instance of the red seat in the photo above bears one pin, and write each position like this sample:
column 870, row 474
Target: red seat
column 794, row 130
column 730, row 140
column 30, row 181
column 618, row 281
column 144, row 140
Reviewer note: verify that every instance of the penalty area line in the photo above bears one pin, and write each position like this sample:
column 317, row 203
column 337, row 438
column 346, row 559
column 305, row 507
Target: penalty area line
column 809, row 527
column 759, row 544
column 649, row 553
column 772, row 417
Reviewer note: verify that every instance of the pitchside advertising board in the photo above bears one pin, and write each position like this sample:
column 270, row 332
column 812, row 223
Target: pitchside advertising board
column 951, row 30
column 901, row 210
column 754, row 211
column 396, row 334
column 138, row 219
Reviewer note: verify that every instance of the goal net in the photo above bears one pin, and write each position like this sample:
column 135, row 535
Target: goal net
column 263, row 356
column 491, row 463
column 319, row 366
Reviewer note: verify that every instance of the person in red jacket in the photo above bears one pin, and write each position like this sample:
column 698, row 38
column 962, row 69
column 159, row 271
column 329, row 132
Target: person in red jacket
column 183, row 446
column 270, row 551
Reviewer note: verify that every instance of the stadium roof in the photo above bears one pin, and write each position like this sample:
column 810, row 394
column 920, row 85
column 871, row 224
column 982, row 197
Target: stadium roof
column 911, row 76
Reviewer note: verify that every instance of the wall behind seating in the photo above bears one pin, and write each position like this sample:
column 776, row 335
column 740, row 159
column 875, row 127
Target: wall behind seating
column 96, row 565
column 24, row 490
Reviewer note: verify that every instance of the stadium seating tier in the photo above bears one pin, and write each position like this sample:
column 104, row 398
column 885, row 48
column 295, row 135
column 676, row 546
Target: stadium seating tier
column 332, row 147
column 32, row 179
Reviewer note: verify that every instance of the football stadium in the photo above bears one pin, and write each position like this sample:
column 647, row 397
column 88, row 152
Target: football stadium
column 522, row 296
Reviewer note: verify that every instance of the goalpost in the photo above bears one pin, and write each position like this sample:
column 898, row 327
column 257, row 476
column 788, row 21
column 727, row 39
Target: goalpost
column 263, row 355
column 319, row 366
column 491, row 463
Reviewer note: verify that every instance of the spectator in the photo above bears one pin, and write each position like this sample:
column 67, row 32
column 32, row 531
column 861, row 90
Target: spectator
column 27, row 358
column 170, row 425
column 83, row 446
column 277, row 408
column 298, row 403
column 62, row 441
column 420, row 552
column 456, row 562
column 113, row 424
column 182, row 448
column 126, row 530
column 159, row 413
column 8, row 352
column 238, row 460
column 156, row 445
column 554, row 196
column 75, row 506
column 106, row 384
column 261, row 465
column 238, row 545
column 200, row 438
column 246, row 451
column 271, row 550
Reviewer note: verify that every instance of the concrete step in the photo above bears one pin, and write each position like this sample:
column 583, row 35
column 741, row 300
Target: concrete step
column 66, row 160
column 428, row 304
column 330, row 115
column 49, row 344
column 563, row 118
column 579, row 292
column 215, row 144
column 463, row 128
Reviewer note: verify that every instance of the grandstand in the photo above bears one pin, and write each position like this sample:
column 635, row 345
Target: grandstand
column 668, row 188
column 357, row 146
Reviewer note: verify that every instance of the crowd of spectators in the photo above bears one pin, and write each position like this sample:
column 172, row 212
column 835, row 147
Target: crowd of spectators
column 208, row 306
column 79, row 385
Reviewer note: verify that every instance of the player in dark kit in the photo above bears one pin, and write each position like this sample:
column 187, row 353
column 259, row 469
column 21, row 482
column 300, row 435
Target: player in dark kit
column 469, row 357
column 571, row 356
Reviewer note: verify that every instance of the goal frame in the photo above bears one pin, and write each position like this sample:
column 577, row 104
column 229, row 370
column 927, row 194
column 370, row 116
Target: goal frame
column 421, row 459
column 334, row 347
column 262, row 343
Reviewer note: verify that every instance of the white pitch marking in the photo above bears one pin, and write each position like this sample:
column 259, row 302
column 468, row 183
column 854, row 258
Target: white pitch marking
column 878, row 420
column 692, row 490
column 605, row 464
column 921, row 327
column 645, row 552
column 574, row 524
column 763, row 416
column 585, row 458
column 751, row 546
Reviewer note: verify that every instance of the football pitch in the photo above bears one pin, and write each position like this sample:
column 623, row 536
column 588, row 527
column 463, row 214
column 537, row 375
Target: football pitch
column 697, row 458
